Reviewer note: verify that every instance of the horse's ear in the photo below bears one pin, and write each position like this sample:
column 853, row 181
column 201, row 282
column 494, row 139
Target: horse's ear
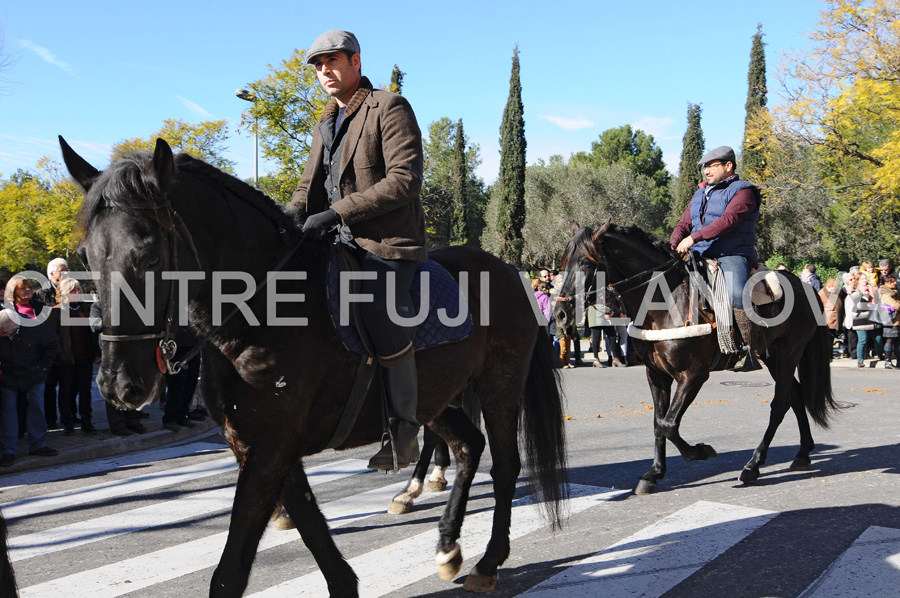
column 162, row 166
column 575, row 227
column 83, row 173
column 601, row 229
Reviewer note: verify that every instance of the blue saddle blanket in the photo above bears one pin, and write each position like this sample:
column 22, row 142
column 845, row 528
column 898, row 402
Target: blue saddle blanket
column 442, row 325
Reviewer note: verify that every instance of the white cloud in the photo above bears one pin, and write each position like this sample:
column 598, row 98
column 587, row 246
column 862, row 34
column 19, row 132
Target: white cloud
column 46, row 55
column 654, row 125
column 569, row 124
column 193, row 107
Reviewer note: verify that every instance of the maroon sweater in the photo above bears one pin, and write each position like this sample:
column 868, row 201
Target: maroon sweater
column 743, row 202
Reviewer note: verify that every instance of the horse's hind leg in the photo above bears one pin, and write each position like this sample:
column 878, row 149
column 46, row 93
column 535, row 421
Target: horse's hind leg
column 403, row 502
column 807, row 444
column 301, row 505
column 787, row 391
column 437, row 481
column 502, row 429
column 467, row 443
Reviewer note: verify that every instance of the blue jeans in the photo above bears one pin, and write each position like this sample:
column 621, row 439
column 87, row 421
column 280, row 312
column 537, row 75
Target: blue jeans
column 736, row 269
column 35, row 422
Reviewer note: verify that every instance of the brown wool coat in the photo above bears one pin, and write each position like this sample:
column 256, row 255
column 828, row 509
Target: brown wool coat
column 381, row 175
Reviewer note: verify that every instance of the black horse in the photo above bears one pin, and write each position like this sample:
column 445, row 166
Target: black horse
column 630, row 258
column 8, row 587
column 279, row 390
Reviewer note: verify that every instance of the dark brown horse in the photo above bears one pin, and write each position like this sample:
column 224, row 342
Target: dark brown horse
column 279, row 388
column 630, row 259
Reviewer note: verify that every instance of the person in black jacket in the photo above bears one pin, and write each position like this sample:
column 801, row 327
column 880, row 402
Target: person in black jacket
column 27, row 350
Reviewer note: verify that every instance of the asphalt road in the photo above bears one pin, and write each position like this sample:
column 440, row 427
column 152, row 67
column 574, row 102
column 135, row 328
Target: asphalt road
column 153, row 523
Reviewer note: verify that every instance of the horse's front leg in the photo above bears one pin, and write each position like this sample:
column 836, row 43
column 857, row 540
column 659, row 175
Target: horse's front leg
column 660, row 390
column 301, row 505
column 787, row 393
column 667, row 422
column 259, row 484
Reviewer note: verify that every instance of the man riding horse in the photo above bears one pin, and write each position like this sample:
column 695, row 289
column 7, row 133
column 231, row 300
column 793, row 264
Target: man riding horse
column 720, row 223
column 363, row 176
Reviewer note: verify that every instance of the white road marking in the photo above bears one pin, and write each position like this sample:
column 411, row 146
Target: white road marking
column 660, row 556
column 130, row 575
column 869, row 567
column 74, row 470
column 159, row 514
column 390, row 568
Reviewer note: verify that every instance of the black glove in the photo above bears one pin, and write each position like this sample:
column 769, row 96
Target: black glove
column 317, row 224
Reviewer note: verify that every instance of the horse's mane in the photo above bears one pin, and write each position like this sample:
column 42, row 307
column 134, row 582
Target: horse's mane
column 582, row 243
column 126, row 184
column 633, row 230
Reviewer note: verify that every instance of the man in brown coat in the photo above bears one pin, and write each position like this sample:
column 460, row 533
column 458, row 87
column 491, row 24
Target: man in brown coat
column 363, row 177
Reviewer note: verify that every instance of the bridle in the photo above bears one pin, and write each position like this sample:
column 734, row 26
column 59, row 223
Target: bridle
column 167, row 347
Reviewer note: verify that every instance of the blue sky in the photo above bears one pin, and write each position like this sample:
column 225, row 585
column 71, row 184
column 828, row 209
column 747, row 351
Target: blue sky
column 98, row 72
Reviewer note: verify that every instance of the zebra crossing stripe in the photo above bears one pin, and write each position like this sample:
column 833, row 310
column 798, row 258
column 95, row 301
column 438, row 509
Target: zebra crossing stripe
column 163, row 513
column 660, row 556
column 870, row 567
column 388, row 569
column 73, row 470
column 131, row 575
column 116, row 488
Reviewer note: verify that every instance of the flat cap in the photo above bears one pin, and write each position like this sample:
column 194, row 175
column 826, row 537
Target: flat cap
column 884, row 263
column 723, row 153
column 330, row 42
column 8, row 320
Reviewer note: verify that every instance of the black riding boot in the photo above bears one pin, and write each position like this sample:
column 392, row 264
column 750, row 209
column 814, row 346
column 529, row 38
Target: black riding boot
column 749, row 362
column 403, row 395
column 888, row 356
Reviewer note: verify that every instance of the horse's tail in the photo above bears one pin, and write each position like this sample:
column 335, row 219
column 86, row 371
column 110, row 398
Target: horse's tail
column 814, row 372
column 8, row 588
column 544, row 431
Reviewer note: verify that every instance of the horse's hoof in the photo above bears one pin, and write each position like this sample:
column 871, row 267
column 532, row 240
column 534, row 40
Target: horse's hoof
column 478, row 583
column 283, row 522
column 401, row 506
column 709, row 452
column 436, row 485
column 749, row 475
column 801, row 464
column 449, row 563
column 645, row 487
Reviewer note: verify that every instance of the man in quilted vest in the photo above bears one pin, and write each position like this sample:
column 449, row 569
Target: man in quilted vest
column 720, row 223
column 363, row 177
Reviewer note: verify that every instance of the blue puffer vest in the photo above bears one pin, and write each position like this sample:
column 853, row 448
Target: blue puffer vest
column 741, row 240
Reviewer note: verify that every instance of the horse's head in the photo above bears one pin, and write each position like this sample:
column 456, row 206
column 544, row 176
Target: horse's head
column 127, row 226
column 581, row 261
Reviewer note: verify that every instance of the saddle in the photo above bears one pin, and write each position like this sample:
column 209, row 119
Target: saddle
column 445, row 323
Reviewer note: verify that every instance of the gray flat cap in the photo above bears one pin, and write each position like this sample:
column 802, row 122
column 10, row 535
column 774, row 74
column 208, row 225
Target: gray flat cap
column 723, row 153
column 8, row 321
column 885, row 262
column 330, row 42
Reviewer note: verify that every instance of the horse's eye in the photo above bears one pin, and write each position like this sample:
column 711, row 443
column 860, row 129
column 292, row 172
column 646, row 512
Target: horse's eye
column 151, row 262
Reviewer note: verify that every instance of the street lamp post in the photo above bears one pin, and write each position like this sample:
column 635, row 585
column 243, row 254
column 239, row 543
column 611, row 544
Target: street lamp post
column 246, row 94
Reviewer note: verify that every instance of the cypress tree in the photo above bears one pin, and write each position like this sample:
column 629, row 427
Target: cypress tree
column 396, row 80
column 511, row 182
column 689, row 175
column 753, row 162
column 459, row 235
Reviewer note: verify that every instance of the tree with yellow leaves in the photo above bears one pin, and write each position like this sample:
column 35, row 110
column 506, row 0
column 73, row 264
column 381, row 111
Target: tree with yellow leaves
column 842, row 102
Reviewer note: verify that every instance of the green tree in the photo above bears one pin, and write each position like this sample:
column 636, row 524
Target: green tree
column 460, row 233
column 753, row 161
column 396, row 80
column 510, row 187
column 637, row 151
column 287, row 105
column 440, row 184
column 689, row 175
column 205, row 140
